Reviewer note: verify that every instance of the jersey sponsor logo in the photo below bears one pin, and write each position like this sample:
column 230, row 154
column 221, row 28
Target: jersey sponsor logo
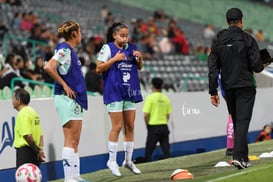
column 125, row 67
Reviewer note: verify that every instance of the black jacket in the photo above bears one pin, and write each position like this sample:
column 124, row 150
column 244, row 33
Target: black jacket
column 235, row 55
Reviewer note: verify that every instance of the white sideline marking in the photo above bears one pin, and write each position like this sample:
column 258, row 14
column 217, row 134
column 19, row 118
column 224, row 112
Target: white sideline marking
column 237, row 174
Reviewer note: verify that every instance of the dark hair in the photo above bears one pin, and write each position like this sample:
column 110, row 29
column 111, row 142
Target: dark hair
column 233, row 15
column 114, row 28
column 9, row 58
column 66, row 29
column 265, row 126
column 92, row 66
column 22, row 95
column 157, row 83
column 37, row 58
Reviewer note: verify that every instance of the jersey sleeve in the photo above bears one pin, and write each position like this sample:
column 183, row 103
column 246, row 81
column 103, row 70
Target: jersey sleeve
column 63, row 56
column 170, row 109
column 147, row 105
column 24, row 120
column 104, row 54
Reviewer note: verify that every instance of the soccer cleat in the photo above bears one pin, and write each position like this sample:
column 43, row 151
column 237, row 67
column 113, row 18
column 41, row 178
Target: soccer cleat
column 247, row 164
column 80, row 179
column 113, row 166
column 130, row 165
column 240, row 164
column 70, row 180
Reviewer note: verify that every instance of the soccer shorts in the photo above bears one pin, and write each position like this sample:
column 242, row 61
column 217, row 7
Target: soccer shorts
column 68, row 109
column 26, row 155
column 120, row 106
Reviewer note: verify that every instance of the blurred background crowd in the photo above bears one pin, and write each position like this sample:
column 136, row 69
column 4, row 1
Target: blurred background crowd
column 174, row 48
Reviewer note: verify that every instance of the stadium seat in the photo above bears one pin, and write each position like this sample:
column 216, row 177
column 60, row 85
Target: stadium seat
column 46, row 91
column 28, row 89
column 37, row 91
column 6, row 93
column 1, row 94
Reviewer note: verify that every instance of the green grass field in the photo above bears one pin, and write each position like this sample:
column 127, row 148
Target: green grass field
column 200, row 165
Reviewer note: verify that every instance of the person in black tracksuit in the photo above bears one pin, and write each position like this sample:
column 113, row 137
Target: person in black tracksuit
column 235, row 56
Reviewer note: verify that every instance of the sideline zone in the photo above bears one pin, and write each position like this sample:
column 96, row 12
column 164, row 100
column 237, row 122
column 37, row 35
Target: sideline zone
column 200, row 165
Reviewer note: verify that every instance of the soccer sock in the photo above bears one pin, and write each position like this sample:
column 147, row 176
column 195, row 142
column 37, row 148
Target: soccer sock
column 77, row 165
column 112, row 147
column 230, row 133
column 68, row 157
column 128, row 149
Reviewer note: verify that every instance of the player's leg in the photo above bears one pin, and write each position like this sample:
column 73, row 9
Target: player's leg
column 116, row 117
column 164, row 141
column 152, row 139
column 71, row 162
column 129, row 115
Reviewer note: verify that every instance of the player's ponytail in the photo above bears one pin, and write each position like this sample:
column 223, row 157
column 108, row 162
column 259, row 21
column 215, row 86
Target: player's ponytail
column 66, row 29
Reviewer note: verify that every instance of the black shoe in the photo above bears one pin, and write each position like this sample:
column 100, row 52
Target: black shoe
column 229, row 152
column 240, row 164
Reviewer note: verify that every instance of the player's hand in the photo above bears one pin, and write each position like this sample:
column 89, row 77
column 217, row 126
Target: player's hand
column 69, row 92
column 215, row 100
column 138, row 55
column 41, row 156
column 119, row 56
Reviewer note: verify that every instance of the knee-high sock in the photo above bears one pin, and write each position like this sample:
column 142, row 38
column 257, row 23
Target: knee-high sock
column 77, row 165
column 113, row 148
column 68, row 157
column 128, row 149
column 230, row 133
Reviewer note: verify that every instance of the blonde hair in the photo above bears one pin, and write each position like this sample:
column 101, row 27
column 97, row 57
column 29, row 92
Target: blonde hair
column 66, row 29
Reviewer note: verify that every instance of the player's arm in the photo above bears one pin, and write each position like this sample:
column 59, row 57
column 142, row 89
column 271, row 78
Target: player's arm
column 31, row 143
column 41, row 151
column 37, row 149
column 103, row 66
column 139, row 59
column 146, row 118
column 51, row 68
column 168, row 117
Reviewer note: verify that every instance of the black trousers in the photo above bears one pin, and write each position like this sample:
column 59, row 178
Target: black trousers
column 26, row 155
column 240, row 102
column 157, row 133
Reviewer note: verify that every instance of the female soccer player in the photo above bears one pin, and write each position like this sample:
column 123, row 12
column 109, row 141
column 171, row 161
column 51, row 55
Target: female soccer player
column 70, row 95
column 119, row 61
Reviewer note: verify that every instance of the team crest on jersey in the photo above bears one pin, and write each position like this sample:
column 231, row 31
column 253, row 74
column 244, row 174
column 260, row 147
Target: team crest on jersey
column 126, row 76
column 61, row 54
column 102, row 50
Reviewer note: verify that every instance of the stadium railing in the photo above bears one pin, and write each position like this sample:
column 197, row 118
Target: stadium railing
column 34, row 44
column 38, row 90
